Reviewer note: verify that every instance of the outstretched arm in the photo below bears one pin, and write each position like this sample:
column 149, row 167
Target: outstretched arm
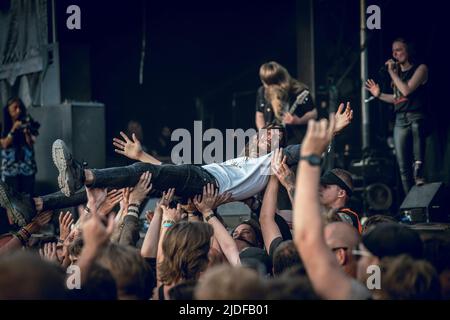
column 149, row 247
column 375, row 90
column 23, row 235
column 132, row 149
column 170, row 217
column 130, row 231
column 342, row 118
column 96, row 235
column 327, row 278
column 269, row 227
column 205, row 205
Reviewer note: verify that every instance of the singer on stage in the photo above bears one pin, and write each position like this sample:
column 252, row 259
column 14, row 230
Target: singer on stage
column 408, row 81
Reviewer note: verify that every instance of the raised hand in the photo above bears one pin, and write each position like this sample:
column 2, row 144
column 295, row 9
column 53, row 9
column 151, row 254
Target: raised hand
column 391, row 64
column 149, row 216
column 49, row 252
column 125, row 199
column 65, row 222
column 373, row 87
column 286, row 176
column 39, row 221
column 277, row 159
column 172, row 214
column 222, row 199
column 318, row 136
column 167, row 197
column 96, row 233
column 95, row 197
column 43, row 218
column 129, row 148
column 141, row 189
column 113, row 197
column 343, row 117
column 206, row 202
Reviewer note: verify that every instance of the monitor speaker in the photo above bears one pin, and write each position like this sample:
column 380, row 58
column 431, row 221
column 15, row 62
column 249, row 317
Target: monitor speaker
column 426, row 203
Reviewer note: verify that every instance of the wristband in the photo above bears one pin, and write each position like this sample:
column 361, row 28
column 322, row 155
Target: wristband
column 207, row 218
column 26, row 232
column 23, row 235
column 133, row 210
column 137, row 205
column 168, row 223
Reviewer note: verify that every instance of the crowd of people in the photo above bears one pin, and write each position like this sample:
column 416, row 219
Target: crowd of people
column 302, row 241
column 188, row 252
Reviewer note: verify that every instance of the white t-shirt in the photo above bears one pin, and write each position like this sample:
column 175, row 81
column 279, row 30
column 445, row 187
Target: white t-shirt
column 243, row 177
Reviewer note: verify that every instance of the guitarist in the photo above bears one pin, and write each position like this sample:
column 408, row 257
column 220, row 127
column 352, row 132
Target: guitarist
column 283, row 100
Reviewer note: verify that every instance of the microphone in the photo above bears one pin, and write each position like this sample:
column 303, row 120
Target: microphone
column 384, row 68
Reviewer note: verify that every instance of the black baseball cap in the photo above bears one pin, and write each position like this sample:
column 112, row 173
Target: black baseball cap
column 330, row 178
column 254, row 257
column 392, row 239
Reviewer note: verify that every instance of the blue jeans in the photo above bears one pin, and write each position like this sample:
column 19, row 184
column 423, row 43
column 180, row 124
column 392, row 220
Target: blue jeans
column 409, row 141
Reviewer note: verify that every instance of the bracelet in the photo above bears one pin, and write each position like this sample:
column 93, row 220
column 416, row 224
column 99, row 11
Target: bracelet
column 133, row 210
column 134, row 205
column 168, row 223
column 9, row 135
column 207, row 218
column 26, row 232
column 87, row 210
column 23, row 235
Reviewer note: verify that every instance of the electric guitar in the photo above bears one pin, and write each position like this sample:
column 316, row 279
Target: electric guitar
column 302, row 98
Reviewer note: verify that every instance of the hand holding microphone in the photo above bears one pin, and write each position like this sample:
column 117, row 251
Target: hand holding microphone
column 390, row 65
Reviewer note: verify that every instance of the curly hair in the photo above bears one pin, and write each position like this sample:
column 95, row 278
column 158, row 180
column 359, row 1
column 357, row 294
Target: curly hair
column 185, row 248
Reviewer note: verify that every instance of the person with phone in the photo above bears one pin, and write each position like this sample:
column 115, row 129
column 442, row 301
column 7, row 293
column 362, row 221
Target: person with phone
column 17, row 140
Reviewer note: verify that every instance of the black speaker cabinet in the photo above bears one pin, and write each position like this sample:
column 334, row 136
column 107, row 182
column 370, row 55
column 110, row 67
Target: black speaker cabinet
column 81, row 125
column 427, row 203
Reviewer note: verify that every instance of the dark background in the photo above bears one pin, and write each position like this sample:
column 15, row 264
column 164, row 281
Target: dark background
column 212, row 50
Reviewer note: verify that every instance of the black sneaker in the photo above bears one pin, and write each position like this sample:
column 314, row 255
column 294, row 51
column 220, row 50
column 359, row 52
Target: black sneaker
column 71, row 172
column 20, row 208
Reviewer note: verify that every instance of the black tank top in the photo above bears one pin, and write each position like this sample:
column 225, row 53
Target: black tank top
column 416, row 101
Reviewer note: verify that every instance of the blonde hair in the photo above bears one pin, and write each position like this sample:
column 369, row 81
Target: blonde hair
column 280, row 85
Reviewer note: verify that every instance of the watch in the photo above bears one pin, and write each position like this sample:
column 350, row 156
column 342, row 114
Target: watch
column 312, row 159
